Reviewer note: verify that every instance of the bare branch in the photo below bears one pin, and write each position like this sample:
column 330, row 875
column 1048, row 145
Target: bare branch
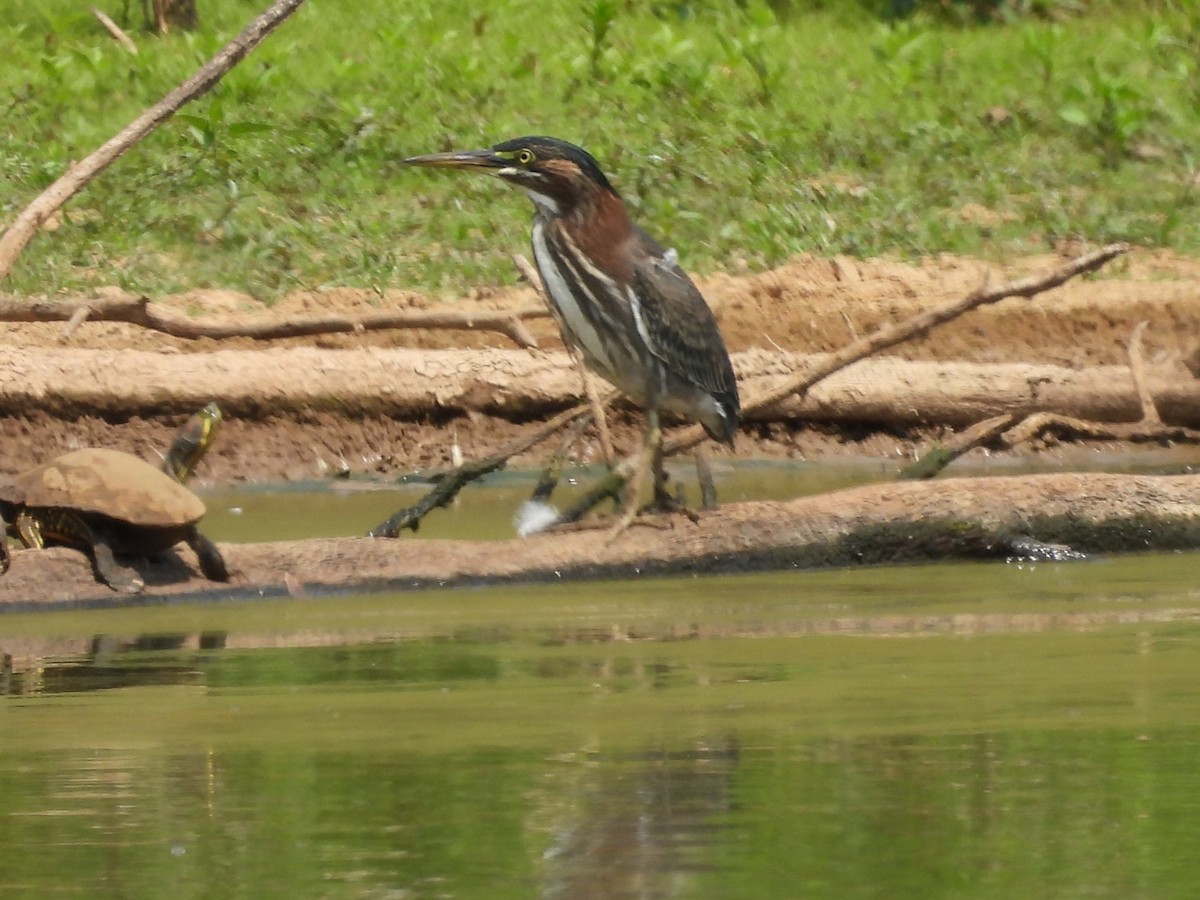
column 78, row 317
column 945, row 453
column 140, row 311
column 1137, row 366
column 115, row 30
column 529, row 273
column 912, row 327
column 1039, row 424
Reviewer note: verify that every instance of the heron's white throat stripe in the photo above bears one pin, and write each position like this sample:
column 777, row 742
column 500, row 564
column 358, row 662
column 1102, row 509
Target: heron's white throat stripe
column 573, row 283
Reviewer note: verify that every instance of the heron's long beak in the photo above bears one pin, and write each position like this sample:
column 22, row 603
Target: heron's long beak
column 479, row 160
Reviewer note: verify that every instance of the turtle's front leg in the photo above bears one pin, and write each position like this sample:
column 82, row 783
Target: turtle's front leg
column 116, row 576
column 212, row 563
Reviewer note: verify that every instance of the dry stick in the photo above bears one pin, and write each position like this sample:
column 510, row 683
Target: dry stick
column 450, row 482
column 1137, row 366
column 140, row 311
column 910, row 328
column 529, row 273
column 115, row 30
column 78, row 317
column 1149, row 428
column 36, row 213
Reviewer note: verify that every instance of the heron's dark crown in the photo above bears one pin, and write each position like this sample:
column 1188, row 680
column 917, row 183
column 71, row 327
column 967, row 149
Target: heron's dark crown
column 555, row 157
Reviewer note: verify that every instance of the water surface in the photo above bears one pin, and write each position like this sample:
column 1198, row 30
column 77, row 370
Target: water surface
column 968, row 731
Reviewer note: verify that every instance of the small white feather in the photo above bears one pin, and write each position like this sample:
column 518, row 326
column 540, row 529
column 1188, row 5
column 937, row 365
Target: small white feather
column 534, row 516
column 670, row 259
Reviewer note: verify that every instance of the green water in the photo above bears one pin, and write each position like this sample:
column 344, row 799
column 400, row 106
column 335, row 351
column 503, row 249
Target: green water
column 966, row 731
column 951, row 731
column 483, row 511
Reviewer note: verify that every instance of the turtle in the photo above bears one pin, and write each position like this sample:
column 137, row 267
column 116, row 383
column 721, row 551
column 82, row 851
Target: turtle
column 105, row 502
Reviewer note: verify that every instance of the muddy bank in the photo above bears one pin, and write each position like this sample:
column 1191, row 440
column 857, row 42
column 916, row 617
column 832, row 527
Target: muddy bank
column 305, row 408
column 121, row 395
column 879, row 523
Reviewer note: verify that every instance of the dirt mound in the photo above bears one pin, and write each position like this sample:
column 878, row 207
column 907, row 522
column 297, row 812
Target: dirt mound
column 809, row 305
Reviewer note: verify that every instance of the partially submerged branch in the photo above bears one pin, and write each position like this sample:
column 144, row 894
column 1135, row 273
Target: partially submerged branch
column 946, row 452
column 450, row 482
column 872, row 344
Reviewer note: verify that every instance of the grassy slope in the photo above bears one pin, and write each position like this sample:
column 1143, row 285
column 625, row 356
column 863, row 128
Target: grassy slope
column 739, row 138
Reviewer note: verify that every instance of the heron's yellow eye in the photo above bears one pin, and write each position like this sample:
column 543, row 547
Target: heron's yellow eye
column 524, row 157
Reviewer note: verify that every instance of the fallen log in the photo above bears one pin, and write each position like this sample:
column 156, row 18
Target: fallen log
column 406, row 383
column 871, row 524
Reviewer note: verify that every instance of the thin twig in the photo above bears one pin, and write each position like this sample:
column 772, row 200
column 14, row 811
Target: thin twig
column 529, row 273
column 115, row 30
column 1137, row 366
column 910, row 328
column 141, row 312
column 77, row 318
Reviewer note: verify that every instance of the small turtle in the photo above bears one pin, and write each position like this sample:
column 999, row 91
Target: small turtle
column 105, row 502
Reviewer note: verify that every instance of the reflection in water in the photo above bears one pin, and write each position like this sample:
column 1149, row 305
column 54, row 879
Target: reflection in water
column 1036, row 814
column 633, row 827
column 712, row 738
column 109, row 662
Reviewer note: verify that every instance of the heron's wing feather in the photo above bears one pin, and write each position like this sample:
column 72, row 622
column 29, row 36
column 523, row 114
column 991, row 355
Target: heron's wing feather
column 677, row 323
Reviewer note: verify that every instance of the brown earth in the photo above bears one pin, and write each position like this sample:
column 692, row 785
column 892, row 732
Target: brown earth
column 904, row 521
column 809, row 305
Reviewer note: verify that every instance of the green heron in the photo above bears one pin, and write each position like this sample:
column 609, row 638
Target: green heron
column 618, row 296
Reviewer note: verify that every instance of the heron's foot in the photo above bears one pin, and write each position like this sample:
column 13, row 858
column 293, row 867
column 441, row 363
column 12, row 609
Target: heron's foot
column 667, row 504
column 656, row 513
column 625, row 520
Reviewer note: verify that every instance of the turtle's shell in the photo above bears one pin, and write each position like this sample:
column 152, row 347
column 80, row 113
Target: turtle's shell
column 110, row 483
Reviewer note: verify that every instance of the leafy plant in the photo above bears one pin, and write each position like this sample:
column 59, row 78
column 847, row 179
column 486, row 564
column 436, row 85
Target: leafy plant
column 740, row 132
column 753, row 44
column 600, row 17
column 1109, row 112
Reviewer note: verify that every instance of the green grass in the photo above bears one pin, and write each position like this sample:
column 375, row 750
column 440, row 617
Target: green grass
column 738, row 137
